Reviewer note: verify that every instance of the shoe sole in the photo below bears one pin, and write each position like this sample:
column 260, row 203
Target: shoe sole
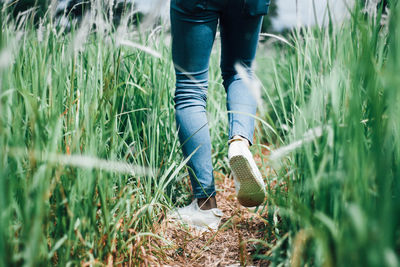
column 251, row 193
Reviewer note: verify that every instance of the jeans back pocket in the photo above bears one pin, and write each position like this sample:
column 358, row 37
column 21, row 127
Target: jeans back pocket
column 191, row 5
column 255, row 7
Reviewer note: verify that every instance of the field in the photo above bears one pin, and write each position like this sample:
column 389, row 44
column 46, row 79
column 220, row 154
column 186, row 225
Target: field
column 90, row 162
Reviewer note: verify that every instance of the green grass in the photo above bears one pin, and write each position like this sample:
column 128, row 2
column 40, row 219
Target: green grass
column 90, row 161
column 336, row 94
column 63, row 96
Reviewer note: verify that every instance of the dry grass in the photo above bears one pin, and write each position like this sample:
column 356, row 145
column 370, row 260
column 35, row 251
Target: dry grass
column 227, row 246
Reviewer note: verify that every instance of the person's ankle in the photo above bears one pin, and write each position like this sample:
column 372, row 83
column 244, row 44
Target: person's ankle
column 207, row 203
column 241, row 138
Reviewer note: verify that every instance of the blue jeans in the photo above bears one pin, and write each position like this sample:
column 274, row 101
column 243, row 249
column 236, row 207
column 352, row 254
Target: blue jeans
column 193, row 28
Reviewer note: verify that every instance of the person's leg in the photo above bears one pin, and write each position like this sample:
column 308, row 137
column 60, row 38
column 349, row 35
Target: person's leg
column 192, row 40
column 239, row 39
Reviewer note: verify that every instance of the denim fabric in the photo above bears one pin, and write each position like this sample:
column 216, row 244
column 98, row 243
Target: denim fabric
column 193, row 27
column 256, row 7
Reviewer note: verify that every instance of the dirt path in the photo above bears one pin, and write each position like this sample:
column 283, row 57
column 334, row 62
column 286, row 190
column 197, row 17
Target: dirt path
column 226, row 247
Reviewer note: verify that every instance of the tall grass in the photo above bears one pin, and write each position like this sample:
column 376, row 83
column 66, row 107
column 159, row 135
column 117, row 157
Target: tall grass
column 88, row 146
column 334, row 99
column 89, row 154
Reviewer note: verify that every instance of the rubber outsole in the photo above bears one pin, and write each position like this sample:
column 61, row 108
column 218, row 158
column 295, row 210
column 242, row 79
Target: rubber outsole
column 250, row 193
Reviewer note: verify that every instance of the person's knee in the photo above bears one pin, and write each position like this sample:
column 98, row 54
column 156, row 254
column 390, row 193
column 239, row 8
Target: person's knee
column 230, row 75
column 190, row 95
column 191, row 88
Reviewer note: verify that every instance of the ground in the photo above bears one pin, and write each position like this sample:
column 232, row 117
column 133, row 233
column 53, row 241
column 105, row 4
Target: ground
column 227, row 246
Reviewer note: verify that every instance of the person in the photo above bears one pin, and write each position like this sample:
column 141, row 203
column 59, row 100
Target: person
column 193, row 29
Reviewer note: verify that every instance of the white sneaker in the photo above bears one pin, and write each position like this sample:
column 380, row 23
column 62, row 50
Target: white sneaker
column 249, row 184
column 198, row 218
